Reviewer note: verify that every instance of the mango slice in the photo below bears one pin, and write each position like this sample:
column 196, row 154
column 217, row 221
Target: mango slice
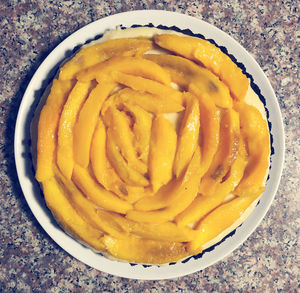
column 68, row 217
column 129, row 65
column 141, row 129
column 211, row 57
column 202, row 205
column 147, row 85
column 226, row 153
column 65, row 160
column 90, row 56
column 105, row 173
column 209, row 131
column 179, row 204
column 102, row 168
column 254, row 130
column 192, row 77
column 162, row 152
column 119, row 125
column 88, row 210
column 188, row 135
column 98, row 195
column 173, row 191
column 144, row 251
column 166, row 231
column 86, row 123
column 156, row 104
column 47, row 128
column 126, row 173
column 218, row 220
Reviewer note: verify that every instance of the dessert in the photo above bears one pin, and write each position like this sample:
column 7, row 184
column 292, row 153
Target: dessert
column 151, row 146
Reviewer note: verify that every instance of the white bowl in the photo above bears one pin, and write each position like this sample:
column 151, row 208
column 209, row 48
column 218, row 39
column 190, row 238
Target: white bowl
column 34, row 195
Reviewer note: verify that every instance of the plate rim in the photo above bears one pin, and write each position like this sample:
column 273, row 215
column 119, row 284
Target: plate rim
column 108, row 266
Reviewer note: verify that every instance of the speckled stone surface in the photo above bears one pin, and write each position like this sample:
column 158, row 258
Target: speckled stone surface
column 30, row 261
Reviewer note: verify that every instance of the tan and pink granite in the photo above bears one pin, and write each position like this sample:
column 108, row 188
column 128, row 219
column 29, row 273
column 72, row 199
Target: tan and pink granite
column 268, row 261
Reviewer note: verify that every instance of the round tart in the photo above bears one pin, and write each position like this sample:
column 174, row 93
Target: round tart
column 152, row 145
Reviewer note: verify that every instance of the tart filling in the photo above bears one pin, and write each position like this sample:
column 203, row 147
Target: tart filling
column 151, row 146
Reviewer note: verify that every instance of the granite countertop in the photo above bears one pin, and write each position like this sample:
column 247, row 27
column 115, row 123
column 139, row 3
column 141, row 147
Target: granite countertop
column 30, row 261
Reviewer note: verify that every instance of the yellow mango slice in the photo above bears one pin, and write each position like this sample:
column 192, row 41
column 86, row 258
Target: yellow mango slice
column 144, row 251
column 68, row 217
column 105, row 173
column 162, row 152
column 65, row 160
column 165, row 231
column 120, row 128
column 194, row 78
column 226, row 153
column 218, row 220
column 211, row 57
column 97, row 194
column 88, row 210
column 126, row 173
column 129, row 65
column 202, row 205
column 209, row 131
column 188, row 135
column 47, row 128
column 173, row 191
column 151, row 103
column 141, row 129
column 179, row 204
column 86, row 123
column 102, row 169
column 92, row 55
column 255, row 131
column 147, row 85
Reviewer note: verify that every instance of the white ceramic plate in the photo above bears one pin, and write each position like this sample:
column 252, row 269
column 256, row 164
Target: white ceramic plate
column 31, row 188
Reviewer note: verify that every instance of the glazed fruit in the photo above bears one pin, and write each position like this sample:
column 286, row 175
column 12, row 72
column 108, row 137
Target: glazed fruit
column 149, row 157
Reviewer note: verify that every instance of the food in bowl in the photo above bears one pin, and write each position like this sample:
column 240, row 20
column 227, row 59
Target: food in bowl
column 152, row 146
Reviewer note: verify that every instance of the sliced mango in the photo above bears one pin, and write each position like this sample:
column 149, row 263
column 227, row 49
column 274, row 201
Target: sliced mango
column 226, row 153
column 102, row 168
column 96, row 217
column 147, row 85
column 119, row 125
column 155, row 104
column 134, row 66
column 141, row 129
column 144, row 251
column 126, row 173
column 47, row 128
column 173, row 191
column 209, row 131
column 178, row 205
column 162, row 152
column 188, row 135
column 105, row 173
column 254, row 130
column 92, row 55
column 97, row 194
column 202, row 205
column 114, row 171
column 211, row 57
column 194, row 78
column 86, row 123
column 65, row 160
column 165, row 231
column 68, row 217
column 218, row 220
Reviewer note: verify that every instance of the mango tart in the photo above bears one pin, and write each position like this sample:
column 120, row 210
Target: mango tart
column 151, row 146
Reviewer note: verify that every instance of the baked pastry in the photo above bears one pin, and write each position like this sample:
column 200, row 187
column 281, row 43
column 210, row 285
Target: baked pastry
column 152, row 145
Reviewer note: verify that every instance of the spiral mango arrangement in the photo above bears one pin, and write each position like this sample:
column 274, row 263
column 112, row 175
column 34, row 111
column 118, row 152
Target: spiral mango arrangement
column 120, row 177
